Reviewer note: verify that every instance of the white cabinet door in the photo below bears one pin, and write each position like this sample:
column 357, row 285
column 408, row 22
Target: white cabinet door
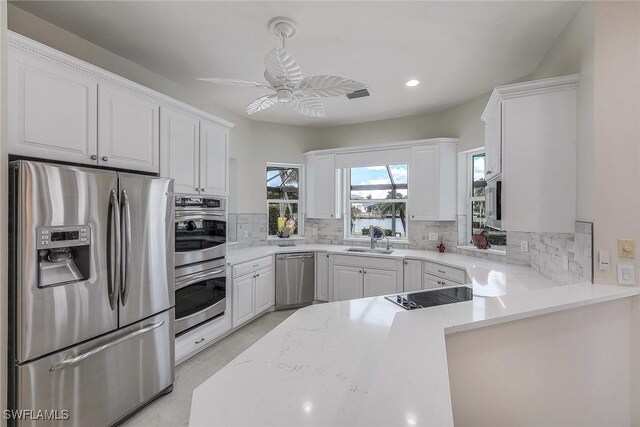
column 265, row 292
column 431, row 282
column 493, row 143
column 322, row 276
column 347, row 282
column 214, row 158
column 128, row 130
column 243, row 299
column 52, row 111
column 412, row 275
column 379, row 282
column 424, row 182
column 321, row 187
column 180, row 149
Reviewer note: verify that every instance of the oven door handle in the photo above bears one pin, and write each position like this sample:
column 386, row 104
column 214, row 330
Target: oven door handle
column 188, row 280
column 199, row 215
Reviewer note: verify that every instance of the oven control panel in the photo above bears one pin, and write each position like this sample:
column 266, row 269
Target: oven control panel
column 199, row 203
column 63, row 236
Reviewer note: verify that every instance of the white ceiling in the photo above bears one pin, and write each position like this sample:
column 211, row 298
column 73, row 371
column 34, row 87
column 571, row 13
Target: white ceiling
column 458, row 50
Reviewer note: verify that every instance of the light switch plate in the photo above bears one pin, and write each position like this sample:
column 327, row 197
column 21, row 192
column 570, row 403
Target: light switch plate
column 626, row 248
column 603, row 261
column 433, row 236
column 626, row 274
column 524, row 246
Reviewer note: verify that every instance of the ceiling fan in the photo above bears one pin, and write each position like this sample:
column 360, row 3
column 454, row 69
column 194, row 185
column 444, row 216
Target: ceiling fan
column 284, row 77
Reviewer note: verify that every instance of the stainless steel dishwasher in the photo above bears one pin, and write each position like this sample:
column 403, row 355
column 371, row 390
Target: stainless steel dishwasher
column 295, row 278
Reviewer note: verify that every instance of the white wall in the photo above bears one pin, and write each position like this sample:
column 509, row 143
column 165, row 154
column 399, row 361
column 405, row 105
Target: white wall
column 252, row 143
column 616, row 187
column 571, row 368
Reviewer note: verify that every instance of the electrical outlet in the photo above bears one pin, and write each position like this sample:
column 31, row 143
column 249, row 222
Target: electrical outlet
column 246, row 234
column 524, row 246
column 433, row 236
column 565, row 262
column 314, row 231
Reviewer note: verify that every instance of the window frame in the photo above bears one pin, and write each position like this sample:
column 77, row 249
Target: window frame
column 470, row 197
column 347, row 201
column 299, row 201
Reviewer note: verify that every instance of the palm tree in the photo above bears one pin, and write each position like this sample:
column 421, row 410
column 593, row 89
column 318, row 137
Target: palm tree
column 387, row 209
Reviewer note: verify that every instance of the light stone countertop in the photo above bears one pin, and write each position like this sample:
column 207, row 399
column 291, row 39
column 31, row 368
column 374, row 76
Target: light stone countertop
column 346, row 363
column 488, row 278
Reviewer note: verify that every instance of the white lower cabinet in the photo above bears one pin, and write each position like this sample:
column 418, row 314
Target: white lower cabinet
column 432, row 282
column 243, row 296
column 254, row 289
column 322, row 277
column 412, row 275
column 379, row 282
column 347, row 282
column 265, row 290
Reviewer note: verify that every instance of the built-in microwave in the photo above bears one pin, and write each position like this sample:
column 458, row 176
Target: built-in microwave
column 493, row 197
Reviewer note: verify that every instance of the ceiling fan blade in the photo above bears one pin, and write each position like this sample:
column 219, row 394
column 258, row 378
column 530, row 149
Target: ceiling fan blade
column 261, row 103
column 235, row 82
column 330, row 85
column 309, row 106
column 273, row 81
column 282, row 66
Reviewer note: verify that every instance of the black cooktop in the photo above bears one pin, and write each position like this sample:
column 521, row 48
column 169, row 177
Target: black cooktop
column 432, row 298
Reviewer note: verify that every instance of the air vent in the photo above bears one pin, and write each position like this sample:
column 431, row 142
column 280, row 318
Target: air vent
column 358, row 94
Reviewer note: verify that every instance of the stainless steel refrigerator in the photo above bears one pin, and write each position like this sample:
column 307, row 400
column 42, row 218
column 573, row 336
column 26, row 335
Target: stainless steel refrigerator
column 91, row 292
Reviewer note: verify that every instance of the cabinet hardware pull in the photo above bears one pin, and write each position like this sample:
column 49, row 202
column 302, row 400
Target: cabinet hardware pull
column 488, row 172
column 442, row 271
column 94, row 157
column 105, row 158
column 199, row 341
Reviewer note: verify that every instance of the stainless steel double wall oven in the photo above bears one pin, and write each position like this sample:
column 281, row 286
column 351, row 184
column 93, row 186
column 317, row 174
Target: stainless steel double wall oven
column 200, row 251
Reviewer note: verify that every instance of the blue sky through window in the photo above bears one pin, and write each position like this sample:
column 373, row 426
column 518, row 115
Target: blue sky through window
column 372, row 175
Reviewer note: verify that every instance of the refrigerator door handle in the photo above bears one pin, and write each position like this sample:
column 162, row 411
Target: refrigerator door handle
column 67, row 363
column 126, row 248
column 113, row 261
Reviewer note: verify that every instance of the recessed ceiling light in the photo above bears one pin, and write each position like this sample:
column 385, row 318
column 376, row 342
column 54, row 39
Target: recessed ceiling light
column 412, row 83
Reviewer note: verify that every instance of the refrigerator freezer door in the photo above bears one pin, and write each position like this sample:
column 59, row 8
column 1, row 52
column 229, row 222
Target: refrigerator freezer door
column 49, row 318
column 102, row 381
column 147, row 281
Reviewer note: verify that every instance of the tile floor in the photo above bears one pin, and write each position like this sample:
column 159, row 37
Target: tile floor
column 173, row 409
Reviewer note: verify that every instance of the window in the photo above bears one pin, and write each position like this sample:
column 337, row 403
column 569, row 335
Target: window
column 377, row 195
column 476, row 203
column 284, row 199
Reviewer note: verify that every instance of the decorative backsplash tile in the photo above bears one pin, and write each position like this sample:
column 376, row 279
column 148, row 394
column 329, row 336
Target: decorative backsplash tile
column 545, row 255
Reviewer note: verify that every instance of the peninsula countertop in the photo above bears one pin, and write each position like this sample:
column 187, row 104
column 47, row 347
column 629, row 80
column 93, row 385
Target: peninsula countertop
column 342, row 363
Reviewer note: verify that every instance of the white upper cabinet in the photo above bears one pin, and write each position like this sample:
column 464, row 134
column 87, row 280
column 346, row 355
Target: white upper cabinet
column 538, row 136
column 64, row 109
column 432, row 182
column 194, row 152
column 52, row 111
column 322, row 189
column 128, row 130
column 214, row 158
column 180, row 149
column 493, row 143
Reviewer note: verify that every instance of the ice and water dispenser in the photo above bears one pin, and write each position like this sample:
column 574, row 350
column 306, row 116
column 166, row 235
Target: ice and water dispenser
column 63, row 254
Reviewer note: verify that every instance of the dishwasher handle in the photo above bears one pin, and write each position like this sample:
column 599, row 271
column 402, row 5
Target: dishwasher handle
column 296, row 257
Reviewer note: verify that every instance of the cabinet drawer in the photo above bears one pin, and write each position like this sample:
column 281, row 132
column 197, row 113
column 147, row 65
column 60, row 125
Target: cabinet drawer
column 445, row 272
column 365, row 261
column 251, row 266
column 432, row 282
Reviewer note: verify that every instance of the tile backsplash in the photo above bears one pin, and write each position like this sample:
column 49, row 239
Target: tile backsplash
column 546, row 250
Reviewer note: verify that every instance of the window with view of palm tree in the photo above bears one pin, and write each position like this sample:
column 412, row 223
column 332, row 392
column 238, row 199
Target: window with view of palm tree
column 283, row 199
column 378, row 196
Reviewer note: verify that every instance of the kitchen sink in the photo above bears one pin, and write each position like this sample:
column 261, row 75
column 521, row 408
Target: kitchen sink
column 370, row 251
